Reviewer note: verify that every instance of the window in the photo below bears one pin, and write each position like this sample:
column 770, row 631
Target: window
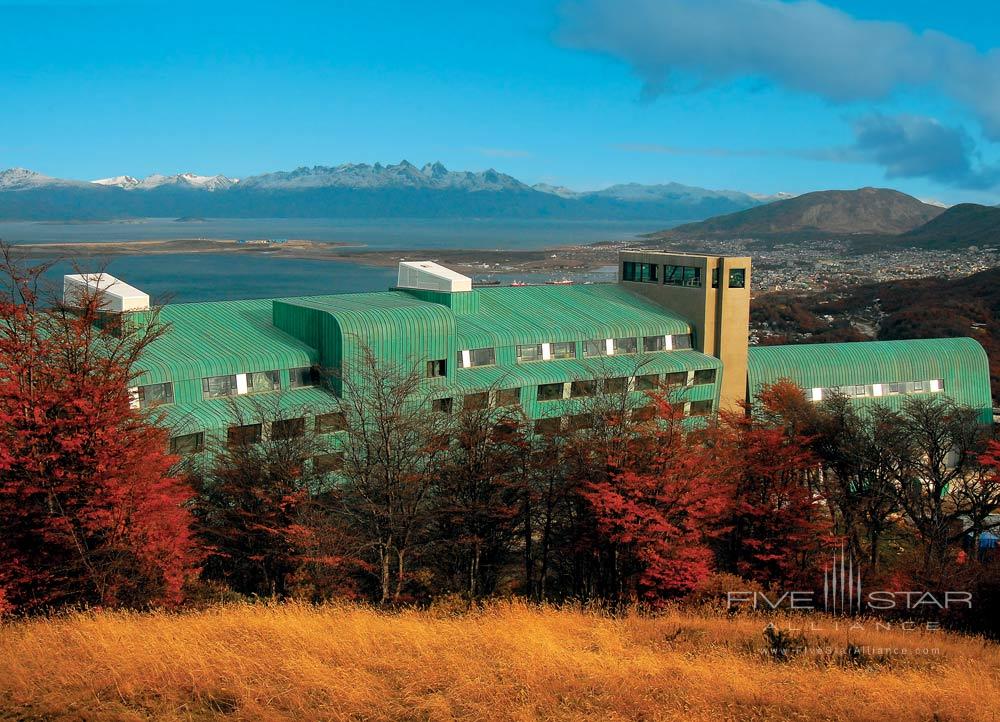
column 187, row 443
column 242, row 435
column 579, row 422
column 701, row 408
column 677, row 409
column 550, row 392
column 682, row 276
column 715, row 278
column 509, row 397
column 629, row 270
column 563, row 349
column 581, row 389
column 304, row 376
column 737, row 277
column 263, row 381
column 615, row 385
column 482, row 356
column 329, row 423
column 654, row 343
column 473, row 402
column 680, row 341
column 704, row 376
column 626, row 345
column 644, row 272
column 677, row 378
column 327, row 463
column 644, row 413
column 595, row 347
column 648, row 382
column 216, row 386
column 437, row 368
column 442, row 405
column 529, row 352
column 155, row 394
column 288, row 428
column 548, row 427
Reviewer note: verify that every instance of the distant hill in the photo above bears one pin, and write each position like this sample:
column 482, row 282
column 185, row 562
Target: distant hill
column 351, row 190
column 826, row 213
column 967, row 224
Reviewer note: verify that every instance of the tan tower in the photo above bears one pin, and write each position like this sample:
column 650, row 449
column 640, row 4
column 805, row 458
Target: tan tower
column 713, row 293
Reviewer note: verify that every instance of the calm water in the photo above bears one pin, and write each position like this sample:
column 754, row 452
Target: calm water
column 210, row 276
column 389, row 234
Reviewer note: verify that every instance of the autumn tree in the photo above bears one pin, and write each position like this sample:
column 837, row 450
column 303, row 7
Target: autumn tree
column 90, row 510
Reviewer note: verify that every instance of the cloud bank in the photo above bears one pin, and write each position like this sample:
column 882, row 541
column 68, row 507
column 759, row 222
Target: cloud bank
column 804, row 46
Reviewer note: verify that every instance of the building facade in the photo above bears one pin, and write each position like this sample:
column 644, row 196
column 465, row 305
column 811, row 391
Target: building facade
column 671, row 320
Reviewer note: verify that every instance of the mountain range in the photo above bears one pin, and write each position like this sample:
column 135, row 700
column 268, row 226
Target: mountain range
column 352, row 190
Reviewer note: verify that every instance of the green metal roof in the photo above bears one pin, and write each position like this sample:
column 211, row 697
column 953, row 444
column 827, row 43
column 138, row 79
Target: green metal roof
column 253, row 408
column 534, row 314
column 960, row 362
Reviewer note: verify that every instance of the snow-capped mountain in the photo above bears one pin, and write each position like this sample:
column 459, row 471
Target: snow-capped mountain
column 182, row 180
column 401, row 175
column 19, row 179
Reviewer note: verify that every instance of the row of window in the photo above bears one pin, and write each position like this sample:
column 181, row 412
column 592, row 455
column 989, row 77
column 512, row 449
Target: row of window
column 253, row 433
column 577, row 389
column 894, row 388
column 212, row 387
column 689, row 276
column 602, row 347
column 555, row 425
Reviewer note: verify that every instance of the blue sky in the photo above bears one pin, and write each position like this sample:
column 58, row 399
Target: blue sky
column 756, row 95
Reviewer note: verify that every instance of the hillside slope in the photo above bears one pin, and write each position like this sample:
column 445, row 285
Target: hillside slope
column 862, row 211
column 967, row 224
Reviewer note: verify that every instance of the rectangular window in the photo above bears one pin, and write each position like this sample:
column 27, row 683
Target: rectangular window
column 595, row 347
column 242, row 435
column 642, row 272
column 680, row 341
column 187, row 443
column 214, row 387
column 648, row 382
column 579, row 422
column 259, row 381
column 625, row 345
column 677, row 378
column 509, row 397
column 737, row 277
column 615, row 385
column 442, row 405
column 653, row 343
column 330, row 423
column 474, row 402
column 437, row 368
column 328, row 463
column 715, row 278
column 529, row 352
column 628, row 270
column 304, row 376
column 482, row 356
column 701, row 408
column 563, row 349
column 548, row 427
column 550, row 392
column 155, row 394
column 704, row 376
column 288, row 428
column 682, row 276
column 582, row 389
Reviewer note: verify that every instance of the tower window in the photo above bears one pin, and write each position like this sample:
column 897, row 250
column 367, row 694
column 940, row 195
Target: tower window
column 737, row 278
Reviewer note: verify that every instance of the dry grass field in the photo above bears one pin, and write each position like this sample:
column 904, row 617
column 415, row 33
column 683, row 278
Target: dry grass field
column 508, row 661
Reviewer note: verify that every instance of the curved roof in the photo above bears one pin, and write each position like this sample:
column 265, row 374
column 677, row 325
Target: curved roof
column 960, row 362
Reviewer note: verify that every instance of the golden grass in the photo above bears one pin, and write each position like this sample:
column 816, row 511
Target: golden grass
column 508, row 661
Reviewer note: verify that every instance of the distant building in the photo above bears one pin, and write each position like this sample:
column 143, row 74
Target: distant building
column 671, row 319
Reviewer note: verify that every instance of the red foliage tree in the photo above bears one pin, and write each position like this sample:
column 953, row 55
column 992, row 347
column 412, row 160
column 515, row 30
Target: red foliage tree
column 775, row 524
column 90, row 511
column 661, row 510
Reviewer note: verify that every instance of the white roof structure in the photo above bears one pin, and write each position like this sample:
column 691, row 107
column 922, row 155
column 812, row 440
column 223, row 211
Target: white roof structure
column 117, row 295
column 431, row 276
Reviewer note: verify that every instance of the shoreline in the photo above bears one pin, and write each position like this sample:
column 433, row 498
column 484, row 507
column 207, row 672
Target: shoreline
column 566, row 259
